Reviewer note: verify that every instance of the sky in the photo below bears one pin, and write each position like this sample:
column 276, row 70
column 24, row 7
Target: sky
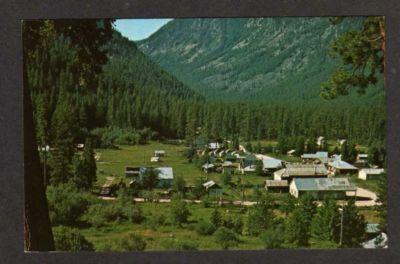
column 138, row 29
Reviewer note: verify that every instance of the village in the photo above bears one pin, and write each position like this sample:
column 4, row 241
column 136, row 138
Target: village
column 317, row 174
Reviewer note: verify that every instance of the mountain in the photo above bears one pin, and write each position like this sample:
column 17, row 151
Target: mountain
column 250, row 59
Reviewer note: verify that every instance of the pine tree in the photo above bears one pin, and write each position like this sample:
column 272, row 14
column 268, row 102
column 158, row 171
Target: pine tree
column 63, row 127
column 353, row 226
column 325, row 226
column 298, row 224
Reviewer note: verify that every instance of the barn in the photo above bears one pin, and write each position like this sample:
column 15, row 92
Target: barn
column 320, row 187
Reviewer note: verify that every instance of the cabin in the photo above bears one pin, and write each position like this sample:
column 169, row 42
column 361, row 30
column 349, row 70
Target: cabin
column 213, row 145
column 132, row 172
column 271, row 164
column 159, row 153
column 249, row 160
column 277, row 186
column 229, row 167
column 200, row 143
column 314, row 157
column 341, row 167
column 361, row 160
column 299, row 170
column 110, row 187
column 291, row 152
column 370, row 173
column 319, row 188
column 155, row 159
column 341, row 141
column 165, row 177
column 208, row 167
column 332, row 158
column 213, row 189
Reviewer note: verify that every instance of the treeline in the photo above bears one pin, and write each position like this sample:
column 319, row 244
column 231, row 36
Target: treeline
column 131, row 92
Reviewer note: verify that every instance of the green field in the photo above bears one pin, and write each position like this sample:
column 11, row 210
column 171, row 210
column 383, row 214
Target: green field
column 113, row 162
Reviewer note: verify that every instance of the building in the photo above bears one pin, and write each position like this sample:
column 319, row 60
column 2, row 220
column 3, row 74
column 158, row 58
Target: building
column 291, row 152
column 208, row 167
column 279, row 186
column 214, row 145
column 249, row 169
column 271, row 164
column 320, row 187
column 367, row 174
column 132, row 172
column 361, row 161
column 298, row 170
column 165, row 177
column 312, row 157
column 341, row 141
column 155, row 159
column 341, row 167
column 159, row 153
column 213, row 189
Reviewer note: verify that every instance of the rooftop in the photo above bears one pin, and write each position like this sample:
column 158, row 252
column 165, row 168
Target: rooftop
column 298, row 169
column 373, row 171
column 276, row 183
column 340, row 164
column 324, row 184
column 317, row 155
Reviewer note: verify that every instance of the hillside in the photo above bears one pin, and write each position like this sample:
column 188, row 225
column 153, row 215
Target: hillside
column 255, row 59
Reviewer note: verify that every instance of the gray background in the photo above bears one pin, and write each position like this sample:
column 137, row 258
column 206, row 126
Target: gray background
column 11, row 136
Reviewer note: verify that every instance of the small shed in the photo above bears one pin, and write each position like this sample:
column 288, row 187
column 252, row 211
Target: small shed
column 367, row 174
column 214, row 145
column 213, row 189
column 155, row 159
column 320, row 187
column 132, row 172
column 208, row 167
column 159, row 153
column 279, row 186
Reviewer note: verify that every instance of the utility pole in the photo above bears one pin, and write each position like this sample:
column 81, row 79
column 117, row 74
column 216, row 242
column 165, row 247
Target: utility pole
column 341, row 226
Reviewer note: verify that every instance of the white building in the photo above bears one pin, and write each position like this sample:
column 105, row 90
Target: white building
column 366, row 174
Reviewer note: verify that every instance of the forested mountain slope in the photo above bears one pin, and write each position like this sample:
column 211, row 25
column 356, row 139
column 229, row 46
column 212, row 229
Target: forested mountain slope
column 250, row 59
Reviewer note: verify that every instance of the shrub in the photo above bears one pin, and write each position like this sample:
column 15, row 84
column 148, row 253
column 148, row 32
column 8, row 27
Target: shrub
column 155, row 220
column 226, row 238
column 134, row 242
column 272, row 238
column 66, row 204
column 70, row 239
column 234, row 223
column 103, row 213
column 205, row 228
column 174, row 244
column 179, row 212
